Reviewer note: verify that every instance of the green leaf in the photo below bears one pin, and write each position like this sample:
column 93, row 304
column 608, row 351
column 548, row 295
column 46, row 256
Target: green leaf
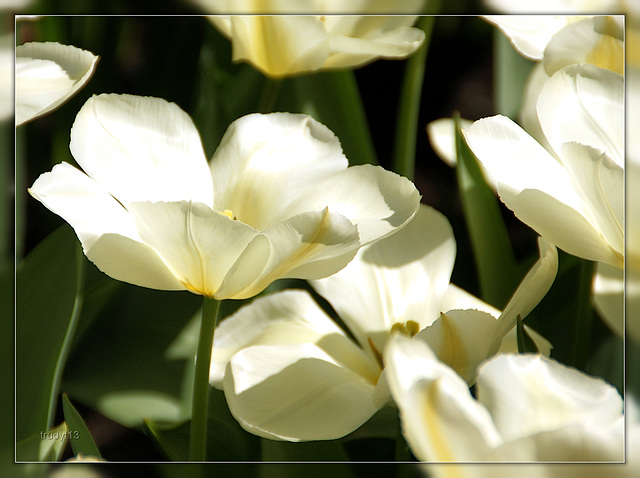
column 326, row 450
column 45, row 292
column 81, row 440
column 498, row 271
column 525, row 343
column 44, row 446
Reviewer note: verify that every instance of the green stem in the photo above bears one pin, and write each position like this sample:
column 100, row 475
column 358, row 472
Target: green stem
column 198, row 441
column 584, row 316
column 407, row 124
column 269, row 94
column 68, row 337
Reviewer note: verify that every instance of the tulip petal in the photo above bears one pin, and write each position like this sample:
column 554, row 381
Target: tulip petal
column 296, row 392
column 400, row 278
column 266, row 43
column 198, row 244
column 284, row 318
column 441, row 421
column 266, row 163
column 609, row 296
column 141, row 149
column 531, row 290
column 105, row 229
column 442, row 138
column 536, row 187
column 47, row 75
column 528, row 394
column 594, row 100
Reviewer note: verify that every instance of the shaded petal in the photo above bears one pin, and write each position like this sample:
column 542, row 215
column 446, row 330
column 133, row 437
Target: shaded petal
column 531, row 289
column 47, row 75
column 266, row 163
column 279, row 45
column 462, row 339
column 351, row 51
column 440, row 419
column 296, row 392
column 509, row 344
column 596, row 40
column 457, row 298
column 141, row 149
column 528, row 394
column 402, row 277
column 536, row 187
column 609, row 296
column 285, row 318
column 593, row 99
column 442, row 138
column 199, row 245
column 310, row 245
column 105, row 229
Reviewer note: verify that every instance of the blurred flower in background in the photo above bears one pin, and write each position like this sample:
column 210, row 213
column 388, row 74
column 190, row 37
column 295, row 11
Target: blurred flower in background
column 318, row 7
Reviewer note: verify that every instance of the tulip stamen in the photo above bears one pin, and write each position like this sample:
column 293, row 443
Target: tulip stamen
column 410, row 328
column 229, row 214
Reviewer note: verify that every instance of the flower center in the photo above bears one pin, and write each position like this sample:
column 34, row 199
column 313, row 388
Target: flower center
column 229, row 214
column 410, row 328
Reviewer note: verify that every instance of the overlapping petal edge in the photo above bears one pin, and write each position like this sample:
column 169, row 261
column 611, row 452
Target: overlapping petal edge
column 151, row 211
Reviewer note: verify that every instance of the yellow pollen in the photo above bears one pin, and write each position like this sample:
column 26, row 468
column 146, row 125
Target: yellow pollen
column 410, row 328
column 229, row 214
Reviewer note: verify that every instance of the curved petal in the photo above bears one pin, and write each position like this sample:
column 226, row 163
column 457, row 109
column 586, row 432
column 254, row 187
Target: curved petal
column 47, row 75
column 141, row 149
column 609, row 296
column 440, row 419
column 457, row 298
column 595, row 40
column 285, row 318
column 512, row 386
column 310, row 245
column 593, row 99
column 537, row 188
column 462, row 339
column 266, row 163
column 600, row 183
column 442, row 138
column 296, row 392
column 400, row 278
column 279, row 45
column 350, row 51
column 197, row 243
column 105, row 229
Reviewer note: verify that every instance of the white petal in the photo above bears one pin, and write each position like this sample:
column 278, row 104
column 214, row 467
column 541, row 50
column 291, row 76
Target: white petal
column 457, row 298
column 509, row 344
column 600, row 183
column 609, row 296
column 528, row 394
column 47, row 75
column 440, row 419
column 349, row 51
column 106, row 230
column 462, row 339
column 265, row 165
column 296, row 392
column 400, row 278
column 536, row 187
column 584, row 104
column 442, row 138
column 141, row 149
column 198, row 244
column 279, row 45
column 597, row 40
column 531, row 289
column 529, row 34
column 285, row 318
column 307, row 246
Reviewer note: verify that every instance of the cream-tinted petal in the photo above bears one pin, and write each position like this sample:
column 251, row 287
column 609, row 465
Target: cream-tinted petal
column 609, row 296
column 296, row 392
column 400, row 278
column 105, row 228
column 442, row 138
column 47, row 75
column 441, row 421
column 310, row 245
column 141, row 149
column 593, row 98
column 265, row 165
column 528, row 394
column 285, row 318
column 198, row 244
column 275, row 46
